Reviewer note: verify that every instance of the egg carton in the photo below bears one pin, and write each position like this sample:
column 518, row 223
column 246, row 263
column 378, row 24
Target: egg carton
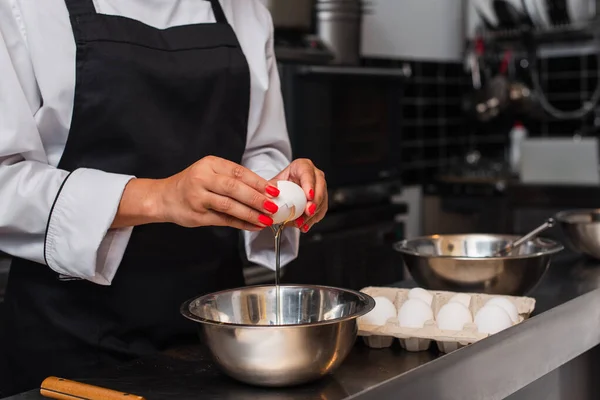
column 420, row 339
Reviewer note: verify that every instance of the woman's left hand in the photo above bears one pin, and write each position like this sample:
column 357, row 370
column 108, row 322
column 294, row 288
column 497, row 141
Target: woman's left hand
column 312, row 180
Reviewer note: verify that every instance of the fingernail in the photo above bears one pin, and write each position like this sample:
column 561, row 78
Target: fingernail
column 305, row 228
column 311, row 194
column 312, row 208
column 272, row 191
column 270, row 206
column 263, row 219
column 299, row 222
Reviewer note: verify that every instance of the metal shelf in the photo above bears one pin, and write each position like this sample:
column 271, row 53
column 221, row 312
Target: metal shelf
column 559, row 41
column 403, row 72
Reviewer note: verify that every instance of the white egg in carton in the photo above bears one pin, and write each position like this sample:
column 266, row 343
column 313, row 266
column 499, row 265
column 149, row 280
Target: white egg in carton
column 421, row 326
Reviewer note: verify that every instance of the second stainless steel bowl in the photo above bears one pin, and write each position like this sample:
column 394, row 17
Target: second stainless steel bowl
column 316, row 330
column 464, row 263
column 582, row 230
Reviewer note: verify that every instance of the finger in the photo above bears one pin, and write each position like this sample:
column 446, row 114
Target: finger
column 214, row 218
column 320, row 195
column 232, row 170
column 305, row 174
column 316, row 219
column 232, row 208
column 239, row 191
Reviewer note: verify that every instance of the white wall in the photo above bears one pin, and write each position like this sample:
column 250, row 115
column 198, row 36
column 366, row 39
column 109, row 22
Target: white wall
column 415, row 29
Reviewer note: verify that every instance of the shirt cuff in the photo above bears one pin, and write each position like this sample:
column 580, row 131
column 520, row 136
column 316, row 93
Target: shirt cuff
column 78, row 241
column 260, row 247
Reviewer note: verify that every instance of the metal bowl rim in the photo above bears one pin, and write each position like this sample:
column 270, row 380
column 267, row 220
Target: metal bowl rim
column 363, row 297
column 562, row 215
column 554, row 248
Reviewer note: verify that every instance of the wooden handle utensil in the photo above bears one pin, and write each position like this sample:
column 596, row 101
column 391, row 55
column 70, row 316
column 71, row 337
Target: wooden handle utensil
column 64, row 389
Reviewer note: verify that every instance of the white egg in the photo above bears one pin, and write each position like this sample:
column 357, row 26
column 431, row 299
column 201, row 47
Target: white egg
column 290, row 195
column 507, row 305
column 461, row 298
column 414, row 313
column 421, row 294
column 453, row 316
column 384, row 309
column 492, row 319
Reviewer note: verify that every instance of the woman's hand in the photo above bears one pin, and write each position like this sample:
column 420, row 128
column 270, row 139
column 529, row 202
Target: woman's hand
column 312, row 180
column 213, row 191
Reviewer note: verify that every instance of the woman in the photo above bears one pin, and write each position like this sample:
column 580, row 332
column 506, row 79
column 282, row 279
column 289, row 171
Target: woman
column 165, row 116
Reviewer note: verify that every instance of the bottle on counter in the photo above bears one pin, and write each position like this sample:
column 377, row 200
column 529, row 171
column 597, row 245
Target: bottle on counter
column 517, row 135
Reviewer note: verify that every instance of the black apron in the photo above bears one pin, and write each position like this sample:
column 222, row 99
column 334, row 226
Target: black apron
column 148, row 102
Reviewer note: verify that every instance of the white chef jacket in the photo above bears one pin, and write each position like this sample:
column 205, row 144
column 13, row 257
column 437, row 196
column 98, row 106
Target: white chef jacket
column 70, row 233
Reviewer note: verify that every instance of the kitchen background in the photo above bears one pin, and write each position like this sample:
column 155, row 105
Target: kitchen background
column 383, row 98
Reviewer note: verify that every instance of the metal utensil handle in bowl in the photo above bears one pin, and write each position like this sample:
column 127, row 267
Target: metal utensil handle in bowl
column 519, row 242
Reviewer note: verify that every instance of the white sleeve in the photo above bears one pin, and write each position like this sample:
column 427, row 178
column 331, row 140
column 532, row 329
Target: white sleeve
column 46, row 214
column 268, row 151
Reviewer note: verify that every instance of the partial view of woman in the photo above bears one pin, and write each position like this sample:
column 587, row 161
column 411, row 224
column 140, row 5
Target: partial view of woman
column 137, row 138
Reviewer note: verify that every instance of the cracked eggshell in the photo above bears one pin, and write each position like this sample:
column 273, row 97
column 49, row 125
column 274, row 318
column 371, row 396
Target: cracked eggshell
column 290, row 194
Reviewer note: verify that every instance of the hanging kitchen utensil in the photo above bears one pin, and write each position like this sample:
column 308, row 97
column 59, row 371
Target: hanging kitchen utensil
column 524, row 101
column 519, row 242
column 63, row 389
column 509, row 16
column 493, row 99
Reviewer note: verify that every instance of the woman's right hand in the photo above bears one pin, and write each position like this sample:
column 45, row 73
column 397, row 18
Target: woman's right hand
column 213, row 191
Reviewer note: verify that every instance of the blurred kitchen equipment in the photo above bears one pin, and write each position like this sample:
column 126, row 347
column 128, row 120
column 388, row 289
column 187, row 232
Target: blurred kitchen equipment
column 317, row 331
column 296, row 15
column 294, row 38
column 485, row 11
column 339, row 25
column 59, row 388
column 517, row 134
column 582, row 230
column 462, row 263
column 509, row 248
column 561, row 161
column 510, row 13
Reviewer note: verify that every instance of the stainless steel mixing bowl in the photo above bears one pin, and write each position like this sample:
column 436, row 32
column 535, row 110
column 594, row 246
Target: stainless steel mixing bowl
column 316, row 330
column 582, row 230
column 464, row 263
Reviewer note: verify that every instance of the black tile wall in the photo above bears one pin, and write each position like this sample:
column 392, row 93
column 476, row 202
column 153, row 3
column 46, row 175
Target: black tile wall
column 436, row 133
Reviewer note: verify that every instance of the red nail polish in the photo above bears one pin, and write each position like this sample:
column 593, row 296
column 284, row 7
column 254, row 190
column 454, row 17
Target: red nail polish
column 305, row 228
column 270, row 206
column 312, row 208
column 311, row 194
column 263, row 219
column 272, row 191
column 299, row 222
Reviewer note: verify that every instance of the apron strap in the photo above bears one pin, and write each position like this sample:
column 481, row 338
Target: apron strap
column 218, row 11
column 80, row 7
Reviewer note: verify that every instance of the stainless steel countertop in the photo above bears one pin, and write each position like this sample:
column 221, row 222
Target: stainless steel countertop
column 565, row 324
